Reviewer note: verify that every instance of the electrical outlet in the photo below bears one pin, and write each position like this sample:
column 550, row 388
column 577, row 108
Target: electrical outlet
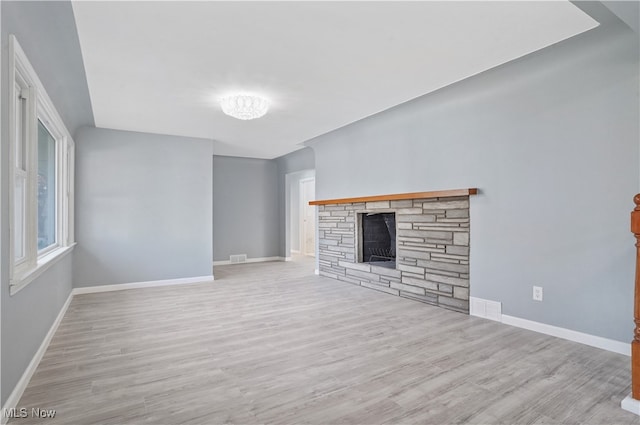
column 537, row 293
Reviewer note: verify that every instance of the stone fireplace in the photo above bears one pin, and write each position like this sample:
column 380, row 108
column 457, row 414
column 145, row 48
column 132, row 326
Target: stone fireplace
column 412, row 245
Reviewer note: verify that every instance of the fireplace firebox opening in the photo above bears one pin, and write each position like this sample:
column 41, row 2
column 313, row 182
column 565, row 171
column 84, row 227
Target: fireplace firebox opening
column 377, row 239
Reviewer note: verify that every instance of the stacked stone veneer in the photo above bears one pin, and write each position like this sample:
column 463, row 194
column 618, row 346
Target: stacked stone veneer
column 432, row 263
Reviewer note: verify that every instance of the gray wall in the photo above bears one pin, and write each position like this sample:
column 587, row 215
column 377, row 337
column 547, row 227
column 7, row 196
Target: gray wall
column 245, row 207
column 627, row 11
column 302, row 159
column 28, row 316
column 551, row 140
column 47, row 33
column 143, row 207
column 298, row 164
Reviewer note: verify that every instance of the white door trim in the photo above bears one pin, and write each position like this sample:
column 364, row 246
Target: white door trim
column 301, row 215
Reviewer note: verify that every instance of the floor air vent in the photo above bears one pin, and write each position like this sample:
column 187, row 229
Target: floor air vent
column 236, row 259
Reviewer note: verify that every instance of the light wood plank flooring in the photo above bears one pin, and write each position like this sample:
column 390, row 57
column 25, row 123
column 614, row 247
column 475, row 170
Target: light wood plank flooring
column 272, row 343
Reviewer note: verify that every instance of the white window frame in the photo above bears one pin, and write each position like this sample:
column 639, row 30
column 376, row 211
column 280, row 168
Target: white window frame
column 25, row 83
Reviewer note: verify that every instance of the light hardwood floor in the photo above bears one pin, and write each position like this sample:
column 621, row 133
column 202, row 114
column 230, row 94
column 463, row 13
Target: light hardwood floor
column 272, row 343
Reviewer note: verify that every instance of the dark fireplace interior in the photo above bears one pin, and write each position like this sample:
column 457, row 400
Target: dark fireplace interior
column 379, row 239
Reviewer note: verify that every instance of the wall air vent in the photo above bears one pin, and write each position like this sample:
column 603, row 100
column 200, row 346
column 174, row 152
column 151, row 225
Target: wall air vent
column 237, row 259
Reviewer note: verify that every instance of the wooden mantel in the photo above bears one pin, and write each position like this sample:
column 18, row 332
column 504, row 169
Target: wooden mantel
column 399, row 196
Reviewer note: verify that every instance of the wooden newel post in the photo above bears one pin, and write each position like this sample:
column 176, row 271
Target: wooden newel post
column 635, row 344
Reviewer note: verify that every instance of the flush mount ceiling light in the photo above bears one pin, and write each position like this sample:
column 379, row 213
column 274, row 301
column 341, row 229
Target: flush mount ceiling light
column 244, row 106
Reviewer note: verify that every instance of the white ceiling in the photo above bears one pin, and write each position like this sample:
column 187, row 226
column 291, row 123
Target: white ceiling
column 159, row 67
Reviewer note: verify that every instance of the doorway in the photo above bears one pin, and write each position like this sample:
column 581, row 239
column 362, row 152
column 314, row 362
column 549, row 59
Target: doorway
column 300, row 217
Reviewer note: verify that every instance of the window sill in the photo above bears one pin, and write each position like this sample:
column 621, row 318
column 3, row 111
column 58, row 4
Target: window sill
column 44, row 264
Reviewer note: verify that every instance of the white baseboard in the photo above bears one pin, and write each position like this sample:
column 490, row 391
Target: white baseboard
column 295, row 251
column 18, row 390
column 317, row 272
column 630, row 404
column 134, row 285
column 493, row 310
column 568, row 334
column 250, row 260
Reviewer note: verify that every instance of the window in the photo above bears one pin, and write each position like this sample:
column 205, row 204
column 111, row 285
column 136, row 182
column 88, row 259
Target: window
column 46, row 188
column 41, row 199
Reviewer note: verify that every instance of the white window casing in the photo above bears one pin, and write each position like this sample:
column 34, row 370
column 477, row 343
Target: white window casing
column 30, row 104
